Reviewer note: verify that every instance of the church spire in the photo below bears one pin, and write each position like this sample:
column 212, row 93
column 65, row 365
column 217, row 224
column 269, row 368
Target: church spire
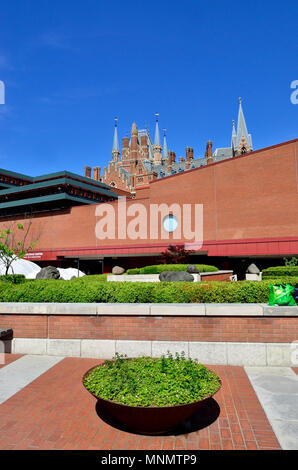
column 243, row 142
column 157, row 137
column 115, row 149
column 234, row 135
column 157, row 146
column 165, row 147
column 115, row 141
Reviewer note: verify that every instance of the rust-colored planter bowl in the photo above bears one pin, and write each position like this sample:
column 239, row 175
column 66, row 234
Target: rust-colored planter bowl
column 147, row 420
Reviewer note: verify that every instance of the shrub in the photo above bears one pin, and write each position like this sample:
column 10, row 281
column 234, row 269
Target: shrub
column 84, row 290
column 146, row 381
column 133, row 271
column 15, row 278
column 280, row 271
column 159, row 268
column 92, row 278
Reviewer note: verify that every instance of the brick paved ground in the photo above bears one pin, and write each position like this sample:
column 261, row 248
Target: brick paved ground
column 10, row 358
column 56, row 412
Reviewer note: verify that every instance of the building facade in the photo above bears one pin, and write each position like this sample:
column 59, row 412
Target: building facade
column 249, row 205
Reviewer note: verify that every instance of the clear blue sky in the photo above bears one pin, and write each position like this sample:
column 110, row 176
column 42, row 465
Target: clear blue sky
column 70, row 67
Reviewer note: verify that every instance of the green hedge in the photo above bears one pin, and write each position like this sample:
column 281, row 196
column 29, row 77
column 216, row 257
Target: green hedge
column 159, row 268
column 84, row 290
column 15, row 278
column 278, row 271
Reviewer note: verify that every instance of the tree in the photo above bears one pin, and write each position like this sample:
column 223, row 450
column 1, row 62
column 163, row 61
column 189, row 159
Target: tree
column 14, row 245
column 176, row 254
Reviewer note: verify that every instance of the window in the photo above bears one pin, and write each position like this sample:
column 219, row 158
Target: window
column 170, row 223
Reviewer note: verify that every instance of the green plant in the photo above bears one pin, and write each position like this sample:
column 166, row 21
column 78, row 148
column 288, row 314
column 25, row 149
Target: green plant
column 176, row 254
column 15, row 278
column 290, row 262
column 146, row 381
column 279, row 271
column 159, row 268
column 14, row 245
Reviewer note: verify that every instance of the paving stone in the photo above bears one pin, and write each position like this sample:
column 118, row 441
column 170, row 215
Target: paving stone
column 61, row 406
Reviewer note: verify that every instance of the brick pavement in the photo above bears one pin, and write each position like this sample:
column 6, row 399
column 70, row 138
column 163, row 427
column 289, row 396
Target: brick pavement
column 10, row 358
column 56, row 412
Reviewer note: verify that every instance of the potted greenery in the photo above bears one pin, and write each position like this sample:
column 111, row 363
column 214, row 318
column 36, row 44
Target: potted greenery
column 151, row 395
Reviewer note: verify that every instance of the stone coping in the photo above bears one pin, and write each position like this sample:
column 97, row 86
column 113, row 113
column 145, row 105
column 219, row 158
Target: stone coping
column 225, row 353
column 147, row 309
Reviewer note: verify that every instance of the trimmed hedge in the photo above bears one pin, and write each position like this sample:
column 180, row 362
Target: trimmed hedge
column 159, row 268
column 278, row 271
column 15, row 278
column 84, row 290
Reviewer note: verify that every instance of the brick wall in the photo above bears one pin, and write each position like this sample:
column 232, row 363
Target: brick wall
column 154, row 328
column 243, row 198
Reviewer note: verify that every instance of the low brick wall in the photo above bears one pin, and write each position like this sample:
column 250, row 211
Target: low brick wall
column 154, row 328
column 99, row 330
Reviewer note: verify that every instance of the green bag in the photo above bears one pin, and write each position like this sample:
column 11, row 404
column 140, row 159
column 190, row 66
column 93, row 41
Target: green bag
column 281, row 294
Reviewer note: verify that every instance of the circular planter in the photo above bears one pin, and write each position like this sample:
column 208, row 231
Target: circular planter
column 151, row 419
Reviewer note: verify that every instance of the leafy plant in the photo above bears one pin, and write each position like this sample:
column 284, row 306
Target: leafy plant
column 290, row 262
column 146, row 381
column 89, row 290
column 16, row 278
column 14, row 245
column 176, row 254
column 158, row 268
column 278, row 271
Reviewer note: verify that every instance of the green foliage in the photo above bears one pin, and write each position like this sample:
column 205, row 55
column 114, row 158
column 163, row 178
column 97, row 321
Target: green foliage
column 175, row 254
column 15, row 278
column 92, row 278
column 290, row 262
column 13, row 245
column 146, row 381
column 278, row 271
column 133, row 271
column 159, row 268
column 90, row 289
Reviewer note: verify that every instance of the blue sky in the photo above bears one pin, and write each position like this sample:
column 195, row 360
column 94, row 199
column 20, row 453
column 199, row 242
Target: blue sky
column 70, row 67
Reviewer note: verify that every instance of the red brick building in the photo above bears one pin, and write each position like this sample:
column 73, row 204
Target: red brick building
column 249, row 208
column 142, row 161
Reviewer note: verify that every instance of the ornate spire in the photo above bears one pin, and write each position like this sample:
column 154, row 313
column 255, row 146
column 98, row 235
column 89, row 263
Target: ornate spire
column 234, row 135
column 115, row 150
column 165, row 147
column 134, row 128
column 115, row 141
column 157, row 137
column 241, row 126
column 157, row 146
column 242, row 141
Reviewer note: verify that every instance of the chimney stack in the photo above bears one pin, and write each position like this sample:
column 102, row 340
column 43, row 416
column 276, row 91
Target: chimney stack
column 208, row 153
column 189, row 154
column 96, row 173
column 172, row 157
column 87, row 171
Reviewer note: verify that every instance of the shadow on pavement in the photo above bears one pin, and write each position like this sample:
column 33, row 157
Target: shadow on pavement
column 204, row 417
